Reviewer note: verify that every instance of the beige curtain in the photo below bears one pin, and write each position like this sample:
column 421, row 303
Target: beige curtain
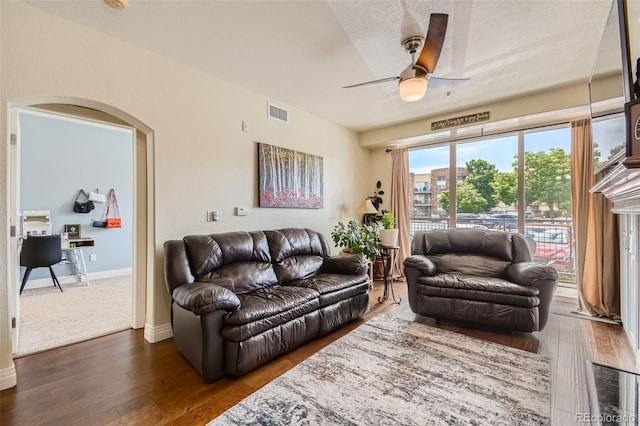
column 400, row 203
column 596, row 232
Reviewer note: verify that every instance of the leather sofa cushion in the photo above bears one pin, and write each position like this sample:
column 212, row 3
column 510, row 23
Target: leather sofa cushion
column 481, row 289
column 297, row 267
column 486, row 243
column 333, row 288
column 289, row 242
column 487, row 284
column 266, row 309
column 270, row 301
column 470, row 264
column 297, row 253
column 208, row 252
column 243, row 277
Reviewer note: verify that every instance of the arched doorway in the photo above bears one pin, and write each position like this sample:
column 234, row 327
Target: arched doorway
column 143, row 215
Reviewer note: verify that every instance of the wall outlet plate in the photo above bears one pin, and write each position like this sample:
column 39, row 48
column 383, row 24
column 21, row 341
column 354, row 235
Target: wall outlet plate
column 242, row 211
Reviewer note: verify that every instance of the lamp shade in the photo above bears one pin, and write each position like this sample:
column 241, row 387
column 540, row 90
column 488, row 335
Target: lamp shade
column 367, row 207
column 412, row 89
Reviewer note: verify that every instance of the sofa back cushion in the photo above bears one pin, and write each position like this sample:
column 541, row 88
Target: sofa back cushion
column 297, row 253
column 467, row 251
column 239, row 261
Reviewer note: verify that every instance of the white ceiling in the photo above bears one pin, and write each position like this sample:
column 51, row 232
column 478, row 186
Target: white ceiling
column 300, row 53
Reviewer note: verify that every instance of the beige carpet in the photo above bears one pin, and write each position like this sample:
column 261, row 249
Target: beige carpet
column 50, row 318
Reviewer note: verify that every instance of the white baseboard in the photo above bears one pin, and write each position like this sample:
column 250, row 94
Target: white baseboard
column 8, row 377
column 156, row 334
column 71, row 279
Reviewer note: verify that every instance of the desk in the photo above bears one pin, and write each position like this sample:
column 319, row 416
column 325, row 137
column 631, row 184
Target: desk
column 75, row 257
column 388, row 262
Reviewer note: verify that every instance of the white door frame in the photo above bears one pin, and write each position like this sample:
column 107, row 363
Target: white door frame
column 143, row 194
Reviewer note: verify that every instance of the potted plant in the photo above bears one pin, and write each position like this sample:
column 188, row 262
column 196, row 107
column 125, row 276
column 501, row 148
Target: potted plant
column 388, row 233
column 376, row 200
column 356, row 237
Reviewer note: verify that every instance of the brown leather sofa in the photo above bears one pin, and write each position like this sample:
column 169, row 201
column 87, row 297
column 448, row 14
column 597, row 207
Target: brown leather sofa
column 240, row 299
column 481, row 277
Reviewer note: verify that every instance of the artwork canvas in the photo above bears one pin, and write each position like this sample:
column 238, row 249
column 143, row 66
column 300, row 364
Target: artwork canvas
column 289, row 178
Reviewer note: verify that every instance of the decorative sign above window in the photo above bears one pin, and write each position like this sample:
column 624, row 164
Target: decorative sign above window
column 459, row 121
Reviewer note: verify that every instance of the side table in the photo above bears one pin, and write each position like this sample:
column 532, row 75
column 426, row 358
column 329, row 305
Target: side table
column 388, row 262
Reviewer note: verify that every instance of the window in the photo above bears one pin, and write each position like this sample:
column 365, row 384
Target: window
column 488, row 189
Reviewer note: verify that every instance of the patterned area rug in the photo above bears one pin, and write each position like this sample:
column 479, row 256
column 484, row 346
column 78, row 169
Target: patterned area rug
column 390, row 371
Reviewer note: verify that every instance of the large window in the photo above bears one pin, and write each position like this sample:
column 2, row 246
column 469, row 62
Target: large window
column 491, row 180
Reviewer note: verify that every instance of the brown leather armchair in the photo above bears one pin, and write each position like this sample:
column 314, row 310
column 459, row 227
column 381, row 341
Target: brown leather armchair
column 481, row 277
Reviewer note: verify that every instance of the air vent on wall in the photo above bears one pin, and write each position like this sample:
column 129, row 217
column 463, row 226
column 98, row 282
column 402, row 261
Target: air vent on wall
column 278, row 113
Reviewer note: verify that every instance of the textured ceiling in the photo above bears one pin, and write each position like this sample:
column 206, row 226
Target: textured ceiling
column 301, row 53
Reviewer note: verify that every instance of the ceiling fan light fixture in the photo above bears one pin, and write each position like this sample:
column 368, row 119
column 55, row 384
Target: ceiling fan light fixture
column 116, row 4
column 412, row 89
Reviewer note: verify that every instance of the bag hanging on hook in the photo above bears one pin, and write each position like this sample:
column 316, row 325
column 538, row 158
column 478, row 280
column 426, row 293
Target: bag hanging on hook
column 97, row 197
column 83, row 207
column 106, row 221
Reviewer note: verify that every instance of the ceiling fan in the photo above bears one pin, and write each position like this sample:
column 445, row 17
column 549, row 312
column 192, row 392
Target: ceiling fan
column 413, row 80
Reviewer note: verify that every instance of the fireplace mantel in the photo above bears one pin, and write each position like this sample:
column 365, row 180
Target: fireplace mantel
column 622, row 186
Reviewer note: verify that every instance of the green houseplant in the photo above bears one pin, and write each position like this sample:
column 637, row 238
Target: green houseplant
column 357, row 238
column 389, row 234
column 387, row 220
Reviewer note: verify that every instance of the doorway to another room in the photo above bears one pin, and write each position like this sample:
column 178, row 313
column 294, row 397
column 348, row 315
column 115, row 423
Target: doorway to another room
column 58, row 156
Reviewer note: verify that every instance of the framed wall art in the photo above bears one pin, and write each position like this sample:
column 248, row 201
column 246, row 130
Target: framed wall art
column 288, row 178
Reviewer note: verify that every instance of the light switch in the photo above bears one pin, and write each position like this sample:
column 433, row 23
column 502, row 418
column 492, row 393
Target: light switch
column 214, row 216
column 242, row 211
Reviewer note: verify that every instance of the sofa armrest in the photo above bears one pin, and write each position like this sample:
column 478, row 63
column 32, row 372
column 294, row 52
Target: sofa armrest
column 542, row 277
column 528, row 273
column 204, row 297
column 350, row 264
column 422, row 263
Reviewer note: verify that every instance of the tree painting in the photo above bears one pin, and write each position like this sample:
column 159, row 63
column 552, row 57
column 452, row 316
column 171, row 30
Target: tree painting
column 289, row 178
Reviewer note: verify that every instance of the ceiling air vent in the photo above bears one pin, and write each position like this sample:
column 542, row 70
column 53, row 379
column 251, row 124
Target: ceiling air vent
column 278, row 113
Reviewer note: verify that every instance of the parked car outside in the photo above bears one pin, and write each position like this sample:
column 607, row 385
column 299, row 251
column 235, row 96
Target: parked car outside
column 553, row 245
column 502, row 221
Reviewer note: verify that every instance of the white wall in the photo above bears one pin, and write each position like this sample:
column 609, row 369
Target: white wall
column 203, row 160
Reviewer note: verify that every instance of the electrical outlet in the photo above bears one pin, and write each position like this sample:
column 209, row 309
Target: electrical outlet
column 93, row 257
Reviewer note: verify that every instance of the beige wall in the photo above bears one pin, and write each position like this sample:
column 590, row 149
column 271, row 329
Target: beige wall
column 203, row 161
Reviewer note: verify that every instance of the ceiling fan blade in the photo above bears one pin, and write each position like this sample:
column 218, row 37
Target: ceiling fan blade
column 446, row 83
column 382, row 80
column 433, row 43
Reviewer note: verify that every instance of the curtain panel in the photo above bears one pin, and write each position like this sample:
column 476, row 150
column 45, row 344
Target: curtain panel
column 595, row 230
column 400, row 203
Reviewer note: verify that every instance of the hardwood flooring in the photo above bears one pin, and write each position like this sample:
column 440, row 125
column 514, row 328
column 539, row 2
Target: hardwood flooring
column 122, row 379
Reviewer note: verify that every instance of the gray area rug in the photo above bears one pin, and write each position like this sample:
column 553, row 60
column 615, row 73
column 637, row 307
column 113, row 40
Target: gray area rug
column 50, row 318
column 390, row 371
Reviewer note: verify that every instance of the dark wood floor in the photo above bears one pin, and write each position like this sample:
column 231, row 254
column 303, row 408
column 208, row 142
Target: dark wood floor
column 122, row 379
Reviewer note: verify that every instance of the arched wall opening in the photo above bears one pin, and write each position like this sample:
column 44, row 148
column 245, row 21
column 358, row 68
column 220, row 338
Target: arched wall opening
column 143, row 190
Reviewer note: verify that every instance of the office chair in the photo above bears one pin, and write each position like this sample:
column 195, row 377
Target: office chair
column 41, row 251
